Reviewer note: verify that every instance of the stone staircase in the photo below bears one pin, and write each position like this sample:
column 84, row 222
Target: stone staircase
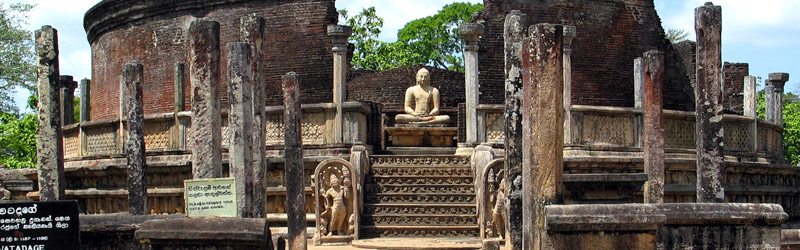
column 419, row 196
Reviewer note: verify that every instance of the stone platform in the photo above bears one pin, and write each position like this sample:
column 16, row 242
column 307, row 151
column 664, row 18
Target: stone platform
column 422, row 136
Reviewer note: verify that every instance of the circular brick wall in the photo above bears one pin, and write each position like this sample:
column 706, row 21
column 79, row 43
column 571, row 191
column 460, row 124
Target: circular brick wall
column 154, row 34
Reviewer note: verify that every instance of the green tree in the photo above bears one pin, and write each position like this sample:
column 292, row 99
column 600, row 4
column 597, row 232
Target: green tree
column 435, row 39
column 432, row 40
column 16, row 54
column 791, row 124
column 18, row 138
column 676, row 35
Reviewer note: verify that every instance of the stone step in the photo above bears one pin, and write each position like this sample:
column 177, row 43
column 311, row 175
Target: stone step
column 419, row 160
column 420, row 180
column 371, row 189
column 419, row 231
column 410, row 171
column 419, row 208
column 419, row 198
column 419, row 219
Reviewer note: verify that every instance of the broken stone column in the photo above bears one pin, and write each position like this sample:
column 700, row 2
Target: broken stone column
column 750, row 96
column 513, row 33
column 653, row 63
column 204, row 75
column 132, row 75
column 569, row 34
column 774, row 108
column 543, row 135
column 471, row 32
column 85, row 100
column 252, row 31
column 240, row 125
column 293, row 155
column 708, row 101
column 49, row 140
column 339, row 35
column 638, row 83
column 68, row 86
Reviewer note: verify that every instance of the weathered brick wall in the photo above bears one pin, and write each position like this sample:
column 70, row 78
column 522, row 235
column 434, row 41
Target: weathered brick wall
column 610, row 35
column 733, row 95
column 388, row 87
column 121, row 31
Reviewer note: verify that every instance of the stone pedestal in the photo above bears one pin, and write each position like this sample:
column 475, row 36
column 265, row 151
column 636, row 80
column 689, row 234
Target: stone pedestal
column 205, row 234
column 619, row 226
column 420, row 136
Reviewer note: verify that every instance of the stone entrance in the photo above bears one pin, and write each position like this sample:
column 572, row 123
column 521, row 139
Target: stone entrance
column 419, row 196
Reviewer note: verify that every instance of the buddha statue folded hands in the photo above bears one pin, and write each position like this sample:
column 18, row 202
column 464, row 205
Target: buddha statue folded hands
column 426, row 103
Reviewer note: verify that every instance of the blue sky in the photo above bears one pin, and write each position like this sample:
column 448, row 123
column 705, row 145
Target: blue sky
column 763, row 33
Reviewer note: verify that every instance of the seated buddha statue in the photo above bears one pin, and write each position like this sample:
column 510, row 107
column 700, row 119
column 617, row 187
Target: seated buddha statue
column 426, row 103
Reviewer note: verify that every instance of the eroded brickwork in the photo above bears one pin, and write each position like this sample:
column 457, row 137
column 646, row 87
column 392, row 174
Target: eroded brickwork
column 733, row 87
column 610, row 35
column 296, row 40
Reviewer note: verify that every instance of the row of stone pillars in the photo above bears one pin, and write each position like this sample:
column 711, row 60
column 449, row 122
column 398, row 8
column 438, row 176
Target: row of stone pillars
column 536, row 66
column 247, row 162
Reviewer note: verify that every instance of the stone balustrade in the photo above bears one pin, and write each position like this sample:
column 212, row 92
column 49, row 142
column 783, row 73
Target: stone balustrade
column 610, row 128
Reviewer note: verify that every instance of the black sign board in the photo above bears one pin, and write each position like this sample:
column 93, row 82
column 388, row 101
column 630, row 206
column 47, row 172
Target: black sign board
column 47, row 225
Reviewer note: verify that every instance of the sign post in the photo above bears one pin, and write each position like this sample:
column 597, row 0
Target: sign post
column 210, row 197
column 42, row 225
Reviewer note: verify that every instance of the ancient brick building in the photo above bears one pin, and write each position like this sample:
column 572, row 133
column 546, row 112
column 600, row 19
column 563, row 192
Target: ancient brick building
column 610, row 35
column 155, row 35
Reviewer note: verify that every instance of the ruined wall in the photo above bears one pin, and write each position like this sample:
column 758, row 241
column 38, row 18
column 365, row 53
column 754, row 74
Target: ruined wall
column 733, row 95
column 388, row 87
column 610, row 35
column 154, row 34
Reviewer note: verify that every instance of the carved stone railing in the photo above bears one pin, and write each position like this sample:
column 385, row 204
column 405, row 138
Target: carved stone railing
column 491, row 123
column 107, row 137
column 318, row 123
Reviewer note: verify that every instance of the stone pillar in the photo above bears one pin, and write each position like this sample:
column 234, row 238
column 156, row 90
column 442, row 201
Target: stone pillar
column 49, row 140
column 769, row 101
column 67, row 98
column 750, row 96
column 569, row 34
column 85, row 100
column 179, row 84
column 240, row 125
column 132, row 75
column 471, row 32
column 204, row 75
column 777, row 81
column 638, row 83
column 653, row 126
column 339, row 35
column 252, row 30
column 708, row 101
column 513, row 33
column 293, row 154
column 542, row 138
column 178, row 87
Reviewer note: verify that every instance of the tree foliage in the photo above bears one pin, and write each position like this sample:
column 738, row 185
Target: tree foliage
column 18, row 138
column 432, row 40
column 676, row 35
column 791, row 124
column 16, row 54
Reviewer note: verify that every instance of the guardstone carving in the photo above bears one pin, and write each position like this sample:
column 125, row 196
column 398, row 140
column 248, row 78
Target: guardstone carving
column 334, row 193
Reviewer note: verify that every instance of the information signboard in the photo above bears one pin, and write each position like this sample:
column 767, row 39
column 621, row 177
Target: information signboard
column 46, row 225
column 210, row 197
